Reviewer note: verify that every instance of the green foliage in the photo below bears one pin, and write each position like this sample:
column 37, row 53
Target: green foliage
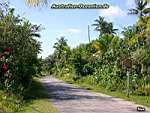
column 103, row 61
column 58, row 63
column 18, row 52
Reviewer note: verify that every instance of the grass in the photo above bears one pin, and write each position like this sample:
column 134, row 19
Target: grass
column 36, row 101
column 83, row 83
column 9, row 104
column 40, row 106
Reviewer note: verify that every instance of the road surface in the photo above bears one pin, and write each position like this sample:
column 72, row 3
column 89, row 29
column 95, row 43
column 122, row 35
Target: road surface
column 70, row 99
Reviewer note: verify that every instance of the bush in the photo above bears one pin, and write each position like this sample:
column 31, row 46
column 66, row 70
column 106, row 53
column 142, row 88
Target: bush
column 18, row 52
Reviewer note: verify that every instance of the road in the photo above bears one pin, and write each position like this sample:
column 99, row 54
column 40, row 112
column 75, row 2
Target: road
column 70, row 99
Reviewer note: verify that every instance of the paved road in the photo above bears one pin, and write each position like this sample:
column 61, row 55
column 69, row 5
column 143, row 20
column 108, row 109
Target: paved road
column 69, row 99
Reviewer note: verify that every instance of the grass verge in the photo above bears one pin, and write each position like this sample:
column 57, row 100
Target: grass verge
column 83, row 83
column 36, row 101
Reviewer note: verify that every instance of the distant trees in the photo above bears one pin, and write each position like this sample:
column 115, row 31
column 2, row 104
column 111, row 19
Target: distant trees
column 100, row 62
column 60, row 59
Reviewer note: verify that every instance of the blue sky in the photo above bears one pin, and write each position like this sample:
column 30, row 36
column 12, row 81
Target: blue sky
column 73, row 23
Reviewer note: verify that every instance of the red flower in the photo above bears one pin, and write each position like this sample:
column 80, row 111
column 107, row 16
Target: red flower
column 7, row 50
column 1, row 55
column 4, row 68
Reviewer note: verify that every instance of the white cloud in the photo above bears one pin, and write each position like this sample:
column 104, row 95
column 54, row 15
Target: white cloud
column 130, row 3
column 113, row 12
column 12, row 6
column 61, row 35
column 74, row 30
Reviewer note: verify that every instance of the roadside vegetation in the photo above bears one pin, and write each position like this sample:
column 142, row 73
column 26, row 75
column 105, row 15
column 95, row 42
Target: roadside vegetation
column 20, row 92
column 99, row 65
column 102, row 64
column 37, row 100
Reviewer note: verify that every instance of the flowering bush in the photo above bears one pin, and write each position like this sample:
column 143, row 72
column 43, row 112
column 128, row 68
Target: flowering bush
column 4, row 60
column 4, row 66
column 18, row 53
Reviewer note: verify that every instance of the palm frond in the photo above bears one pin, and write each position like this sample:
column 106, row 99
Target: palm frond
column 145, row 3
column 146, row 11
column 115, row 30
column 36, row 2
column 97, row 29
column 35, row 35
column 98, row 21
column 95, row 24
column 133, row 11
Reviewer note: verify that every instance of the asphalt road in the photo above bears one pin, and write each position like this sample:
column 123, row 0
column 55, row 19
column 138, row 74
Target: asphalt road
column 70, row 99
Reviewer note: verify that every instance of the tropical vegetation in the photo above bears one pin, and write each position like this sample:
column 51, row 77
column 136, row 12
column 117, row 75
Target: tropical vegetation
column 19, row 62
column 105, row 62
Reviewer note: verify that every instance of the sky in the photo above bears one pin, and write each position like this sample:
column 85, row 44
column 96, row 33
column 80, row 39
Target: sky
column 73, row 23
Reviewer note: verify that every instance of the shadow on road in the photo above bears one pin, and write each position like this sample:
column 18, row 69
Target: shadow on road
column 58, row 92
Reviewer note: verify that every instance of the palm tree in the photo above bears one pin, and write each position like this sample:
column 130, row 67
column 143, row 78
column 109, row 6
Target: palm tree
column 140, row 9
column 36, row 2
column 110, row 29
column 103, row 26
column 99, row 24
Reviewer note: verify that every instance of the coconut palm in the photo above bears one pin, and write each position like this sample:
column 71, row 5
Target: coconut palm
column 140, row 8
column 99, row 24
column 110, row 29
column 103, row 26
